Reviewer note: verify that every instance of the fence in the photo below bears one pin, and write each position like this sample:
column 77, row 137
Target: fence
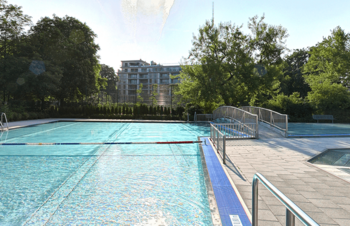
column 219, row 141
column 236, row 130
column 273, row 118
column 248, row 120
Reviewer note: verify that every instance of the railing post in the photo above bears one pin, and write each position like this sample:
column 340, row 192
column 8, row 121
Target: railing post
column 290, row 218
column 224, row 149
column 257, row 127
column 270, row 118
column 286, row 125
column 255, row 201
column 217, row 144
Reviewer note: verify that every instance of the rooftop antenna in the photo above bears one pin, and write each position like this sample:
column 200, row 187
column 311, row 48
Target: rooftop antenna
column 213, row 14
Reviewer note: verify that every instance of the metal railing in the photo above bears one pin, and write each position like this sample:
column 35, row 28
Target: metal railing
column 273, row 118
column 292, row 210
column 236, row 130
column 238, row 115
column 2, row 122
column 219, row 141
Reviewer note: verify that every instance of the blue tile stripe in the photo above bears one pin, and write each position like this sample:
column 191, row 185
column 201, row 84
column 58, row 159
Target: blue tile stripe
column 226, row 197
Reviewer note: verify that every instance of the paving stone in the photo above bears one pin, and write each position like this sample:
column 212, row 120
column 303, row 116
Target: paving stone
column 321, row 203
column 266, row 215
column 336, row 213
column 269, row 223
column 345, row 207
column 303, row 188
column 312, row 195
column 342, row 222
column 321, row 218
column 308, row 207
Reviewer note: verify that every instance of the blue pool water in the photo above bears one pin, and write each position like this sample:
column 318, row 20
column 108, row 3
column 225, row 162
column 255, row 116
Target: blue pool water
column 92, row 184
column 318, row 129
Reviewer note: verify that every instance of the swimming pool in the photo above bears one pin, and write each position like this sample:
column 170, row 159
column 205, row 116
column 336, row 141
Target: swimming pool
column 108, row 184
column 318, row 129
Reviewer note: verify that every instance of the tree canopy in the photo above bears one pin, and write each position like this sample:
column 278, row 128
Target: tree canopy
column 224, row 63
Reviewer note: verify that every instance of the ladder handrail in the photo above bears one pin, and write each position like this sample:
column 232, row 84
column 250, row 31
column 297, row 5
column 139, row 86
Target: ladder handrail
column 292, row 210
column 2, row 123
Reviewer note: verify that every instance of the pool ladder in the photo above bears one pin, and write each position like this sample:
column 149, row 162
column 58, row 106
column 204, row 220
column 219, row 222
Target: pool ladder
column 2, row 122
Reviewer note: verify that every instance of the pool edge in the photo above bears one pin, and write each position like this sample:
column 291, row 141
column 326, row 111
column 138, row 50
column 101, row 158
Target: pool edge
column 210, row 192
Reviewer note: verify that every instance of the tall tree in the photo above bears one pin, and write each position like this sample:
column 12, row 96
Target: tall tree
column 224, row 65
column 69, row 44
column 111, row 77
column 218, row 61
column 12, row 25
column 328, row 71
column 268, row 46
column 293, row 80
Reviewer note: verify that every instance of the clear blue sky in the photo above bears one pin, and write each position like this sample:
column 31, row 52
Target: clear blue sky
column 161, row 30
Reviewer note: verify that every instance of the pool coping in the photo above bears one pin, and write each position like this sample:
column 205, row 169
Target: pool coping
column 53, row 120
column 213, row 206
column 222, row 208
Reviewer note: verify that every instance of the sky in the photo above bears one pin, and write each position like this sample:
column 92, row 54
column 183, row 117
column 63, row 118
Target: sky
column 162, row 30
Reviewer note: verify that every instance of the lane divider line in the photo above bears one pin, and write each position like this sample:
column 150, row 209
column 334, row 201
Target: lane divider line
column 105, row 143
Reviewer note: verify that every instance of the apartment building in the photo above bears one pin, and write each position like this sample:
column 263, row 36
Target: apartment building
column 136, row 72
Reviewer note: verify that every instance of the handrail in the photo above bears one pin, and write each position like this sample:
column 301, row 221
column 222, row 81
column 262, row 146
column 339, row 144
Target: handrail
column 215, row 135
column 238, row 115
column 292, row 209
column 1, row 121
column 270, row 118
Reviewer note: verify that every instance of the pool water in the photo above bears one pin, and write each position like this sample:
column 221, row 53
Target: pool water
column 103, row 184
column 334, row 157
column 318, row 129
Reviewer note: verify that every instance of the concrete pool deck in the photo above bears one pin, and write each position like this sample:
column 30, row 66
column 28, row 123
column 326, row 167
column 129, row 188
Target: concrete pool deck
column 283, row 161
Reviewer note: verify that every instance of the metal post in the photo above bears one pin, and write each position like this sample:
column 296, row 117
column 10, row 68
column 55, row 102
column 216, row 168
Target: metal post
column 224, row 149
column 290, row 218
column 217, row 144
column 286, row 125
column 257, row 128
column 270, row 118
column 255, row 201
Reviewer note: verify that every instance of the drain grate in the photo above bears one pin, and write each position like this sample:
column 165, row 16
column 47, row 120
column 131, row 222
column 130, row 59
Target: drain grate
column 236, row 221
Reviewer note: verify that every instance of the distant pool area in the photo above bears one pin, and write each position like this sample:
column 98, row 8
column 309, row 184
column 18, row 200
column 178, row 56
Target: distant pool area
column 93, row 184
column 318, row 129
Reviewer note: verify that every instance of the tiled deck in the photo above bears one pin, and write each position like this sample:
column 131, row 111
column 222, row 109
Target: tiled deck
column 283, row 161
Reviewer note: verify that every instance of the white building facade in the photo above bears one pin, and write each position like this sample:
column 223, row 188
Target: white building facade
column 136, row 72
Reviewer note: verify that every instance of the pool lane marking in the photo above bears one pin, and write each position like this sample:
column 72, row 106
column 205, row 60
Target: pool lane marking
column 103, row 143
column 183, row 126
column 55, row 191
column 76, row 184
column 245, row 208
